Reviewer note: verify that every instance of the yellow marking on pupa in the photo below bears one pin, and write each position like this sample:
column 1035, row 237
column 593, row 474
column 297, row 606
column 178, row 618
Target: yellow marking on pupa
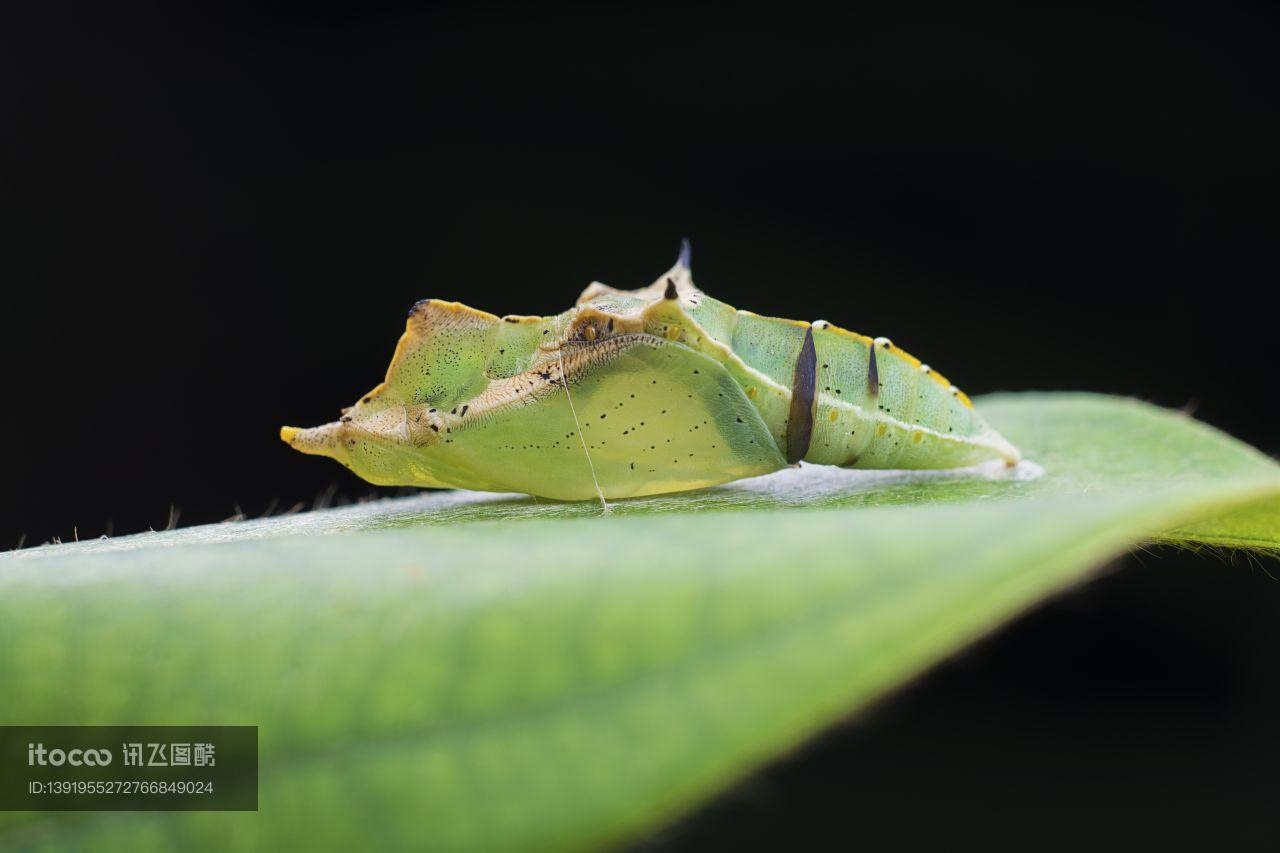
column 804, row 324
column 828, row 327
column 465, row 310
column 902, row 354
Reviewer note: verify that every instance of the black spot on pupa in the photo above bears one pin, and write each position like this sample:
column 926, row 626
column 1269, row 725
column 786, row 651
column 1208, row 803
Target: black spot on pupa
column 670, row 292
column 464, row 409
column 435, row 428
column 511, row 319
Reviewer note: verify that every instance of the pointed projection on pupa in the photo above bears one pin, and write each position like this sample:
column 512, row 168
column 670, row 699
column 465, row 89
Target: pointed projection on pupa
column 661, row 389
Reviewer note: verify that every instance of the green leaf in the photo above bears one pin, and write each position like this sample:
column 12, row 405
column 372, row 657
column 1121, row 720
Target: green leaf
column 458, row 671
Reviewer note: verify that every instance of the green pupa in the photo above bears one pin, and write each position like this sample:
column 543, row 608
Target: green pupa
column 641, row 392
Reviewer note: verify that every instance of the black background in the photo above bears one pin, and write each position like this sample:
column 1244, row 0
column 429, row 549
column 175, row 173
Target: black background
column 223, row 212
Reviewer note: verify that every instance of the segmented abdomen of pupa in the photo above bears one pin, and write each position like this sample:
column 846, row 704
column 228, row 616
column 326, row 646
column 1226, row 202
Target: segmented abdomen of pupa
column 828, row 395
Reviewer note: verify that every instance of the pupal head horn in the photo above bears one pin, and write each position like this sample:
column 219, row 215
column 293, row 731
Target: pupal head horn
column 317, row 441
column 371, row 440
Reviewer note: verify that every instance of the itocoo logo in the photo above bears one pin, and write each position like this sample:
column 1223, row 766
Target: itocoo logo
column 37, row 754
